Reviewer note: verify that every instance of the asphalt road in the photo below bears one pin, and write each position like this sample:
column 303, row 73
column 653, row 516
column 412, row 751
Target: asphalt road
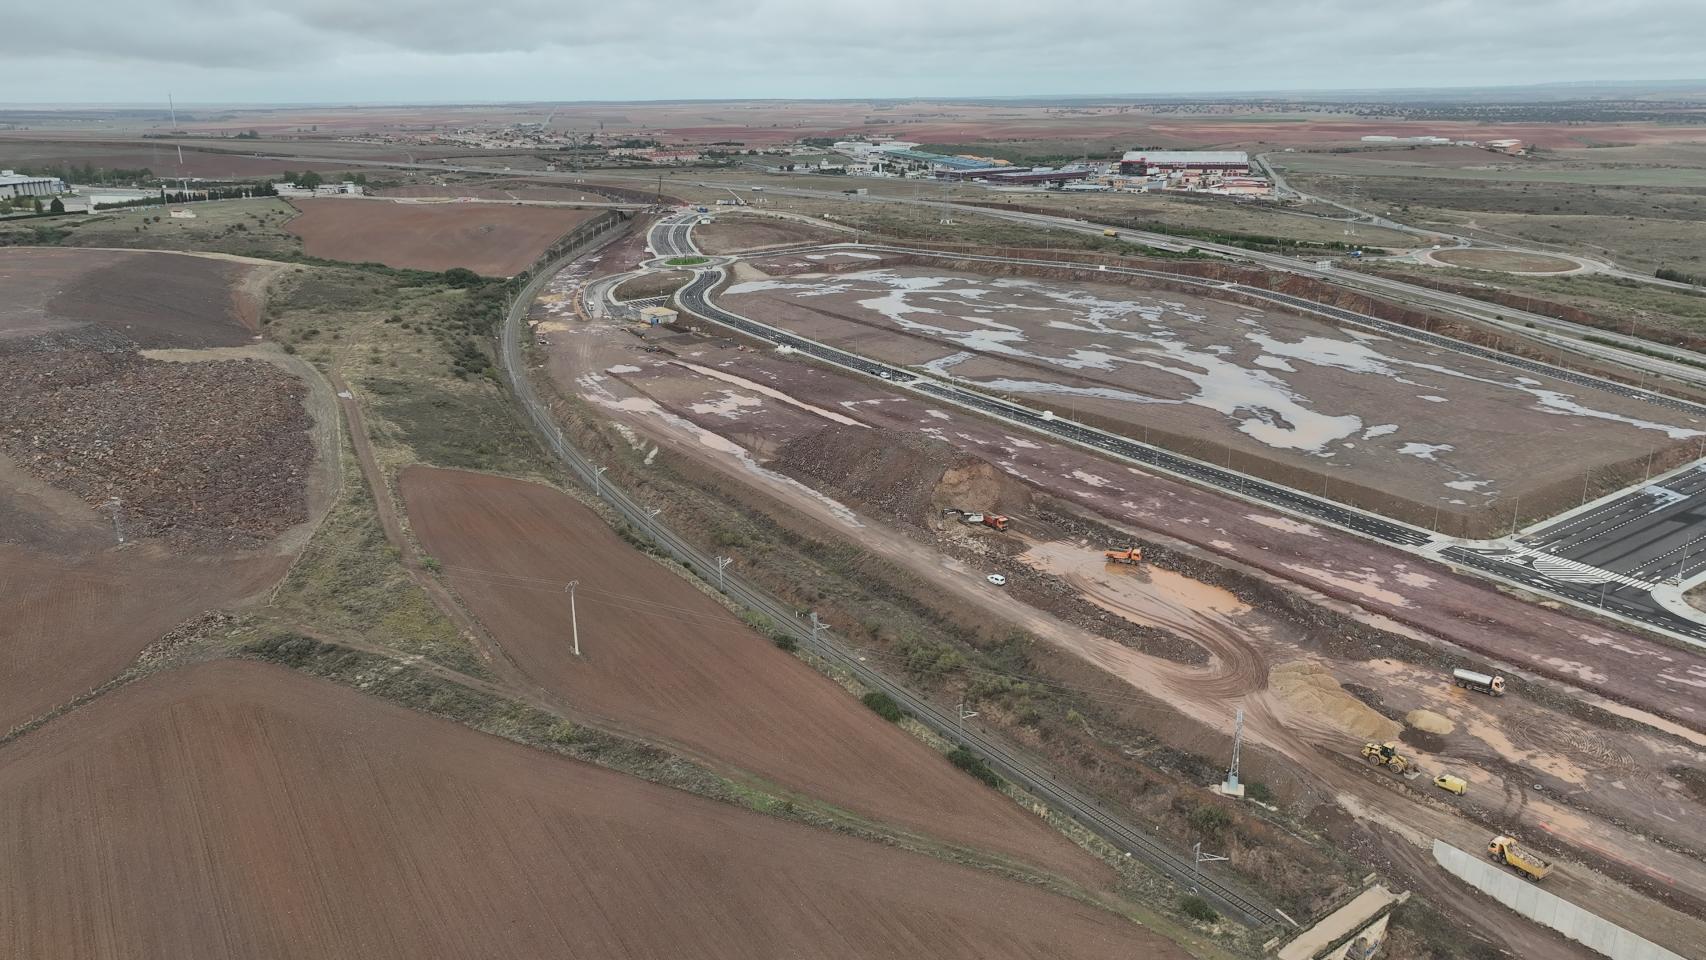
column 1012, row 763
column 673, row 237
column 1655, row 533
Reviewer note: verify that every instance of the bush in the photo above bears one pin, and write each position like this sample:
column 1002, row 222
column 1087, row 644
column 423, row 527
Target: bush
column 785, row 642
column 1210, row 819
column 974, row 765
column 1258, row 791
column 884, row 705
column 1198, row 909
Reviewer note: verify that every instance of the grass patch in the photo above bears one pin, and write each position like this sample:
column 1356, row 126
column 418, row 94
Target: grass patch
column 252, row 227
column 686, row 261
column 350, row 581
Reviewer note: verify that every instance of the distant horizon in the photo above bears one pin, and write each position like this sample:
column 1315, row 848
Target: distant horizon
column 1319, row 94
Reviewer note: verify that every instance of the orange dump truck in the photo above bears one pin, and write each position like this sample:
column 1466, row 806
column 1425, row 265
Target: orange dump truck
column 1504, row 850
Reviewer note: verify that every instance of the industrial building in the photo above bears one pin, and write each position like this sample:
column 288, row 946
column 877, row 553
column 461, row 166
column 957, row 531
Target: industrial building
column 1224, row 162
column 17, row 185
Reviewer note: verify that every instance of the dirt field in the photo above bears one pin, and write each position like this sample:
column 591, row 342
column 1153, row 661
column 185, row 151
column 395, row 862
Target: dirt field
column 488, row 239
column 217, row 457
column 1266, row 391
column 731, row 233
column 150, row 299
column 661, row 658
column 245, row 811
column 1505, row 260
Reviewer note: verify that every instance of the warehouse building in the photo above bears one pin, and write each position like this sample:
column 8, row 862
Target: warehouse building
column 1223, row 162
column 16, row 185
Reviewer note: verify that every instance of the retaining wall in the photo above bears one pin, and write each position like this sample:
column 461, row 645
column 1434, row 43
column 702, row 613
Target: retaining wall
column 1547, row 909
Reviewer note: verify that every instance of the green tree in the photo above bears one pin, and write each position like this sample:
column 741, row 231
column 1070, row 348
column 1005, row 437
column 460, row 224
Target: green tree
column 36, row 203
column 57, row 206
column 310, row 181
column 290, row 176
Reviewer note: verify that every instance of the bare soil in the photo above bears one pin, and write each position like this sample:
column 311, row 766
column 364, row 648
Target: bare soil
column 1507, row 260
column 149, row 299
column 663, row 659
column 731, row 233
column 246, row 811
column 1410, row 429
column 489, row 239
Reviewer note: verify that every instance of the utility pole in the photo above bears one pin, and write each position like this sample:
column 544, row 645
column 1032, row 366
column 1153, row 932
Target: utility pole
column 963, row 715
column 1516, row 507
column 574, row 621
column 816, row 626
column 722, row 585
column 598, row 480
column 117, row 507
column 1202, row 858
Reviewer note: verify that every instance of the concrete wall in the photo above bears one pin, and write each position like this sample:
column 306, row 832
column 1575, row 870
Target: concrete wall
column 1528, row 899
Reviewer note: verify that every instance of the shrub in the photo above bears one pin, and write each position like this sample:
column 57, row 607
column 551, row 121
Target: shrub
column 883, row 704
column 974, row 765
column 785, row 642
column 1258, row 791
column 1210, row 819
column 1197, row 908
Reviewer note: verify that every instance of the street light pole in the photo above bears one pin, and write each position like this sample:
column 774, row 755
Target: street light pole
column 574, row 621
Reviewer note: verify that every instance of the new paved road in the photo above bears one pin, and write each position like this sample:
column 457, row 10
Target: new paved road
column 1655, row 533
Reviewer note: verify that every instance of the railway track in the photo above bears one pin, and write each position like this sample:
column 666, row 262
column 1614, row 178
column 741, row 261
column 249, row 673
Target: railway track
column 1027, row 772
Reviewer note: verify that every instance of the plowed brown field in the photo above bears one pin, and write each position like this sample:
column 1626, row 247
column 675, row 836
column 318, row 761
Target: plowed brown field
column 237, row 810
column 661, row 658
column 151, row 299
column 494, row 240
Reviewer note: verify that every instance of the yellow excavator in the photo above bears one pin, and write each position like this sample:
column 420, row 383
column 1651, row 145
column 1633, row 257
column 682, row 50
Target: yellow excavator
column 1386, row 754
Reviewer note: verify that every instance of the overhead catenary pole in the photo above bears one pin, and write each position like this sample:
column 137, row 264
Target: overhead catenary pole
column 722, row 584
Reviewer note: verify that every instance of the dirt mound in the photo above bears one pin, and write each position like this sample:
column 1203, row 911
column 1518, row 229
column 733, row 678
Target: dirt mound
column 211, row 451
column 1310, row 688
column 1429, row 721
column 903, row 477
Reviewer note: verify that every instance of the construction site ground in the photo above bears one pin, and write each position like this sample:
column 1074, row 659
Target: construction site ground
column 1409, row 428
column 1536, row 767
column 495, row 240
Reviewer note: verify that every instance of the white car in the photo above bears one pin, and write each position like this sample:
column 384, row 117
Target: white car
column 997, row 579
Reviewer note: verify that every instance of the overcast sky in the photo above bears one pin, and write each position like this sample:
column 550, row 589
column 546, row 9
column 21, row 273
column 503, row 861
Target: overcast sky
column 435, row 50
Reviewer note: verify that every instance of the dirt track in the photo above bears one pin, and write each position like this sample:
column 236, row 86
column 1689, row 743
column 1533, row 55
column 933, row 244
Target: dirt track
column 661, row 658
column 236, row 810
column 490, row 239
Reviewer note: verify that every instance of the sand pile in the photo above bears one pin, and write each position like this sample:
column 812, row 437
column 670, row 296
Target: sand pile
column 1310, row 688
column 1429, row 721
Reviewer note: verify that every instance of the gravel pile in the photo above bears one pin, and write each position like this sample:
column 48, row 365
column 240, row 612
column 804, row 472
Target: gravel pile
column 211, row 452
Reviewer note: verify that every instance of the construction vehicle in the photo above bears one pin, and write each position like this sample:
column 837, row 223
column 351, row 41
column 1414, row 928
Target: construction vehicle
column 1110, row 232
column 1132, row 555
column 994, row 521
column 1504, row 850
column 1490, row 684
column 1386, row 754
column 1451, row 784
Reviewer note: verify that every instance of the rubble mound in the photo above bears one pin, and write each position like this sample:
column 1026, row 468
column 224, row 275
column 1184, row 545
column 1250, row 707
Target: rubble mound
column 209, row 452
column 904, row 477
column 1312, row 690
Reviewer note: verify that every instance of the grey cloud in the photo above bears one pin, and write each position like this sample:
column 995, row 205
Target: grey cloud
column 439, row 49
